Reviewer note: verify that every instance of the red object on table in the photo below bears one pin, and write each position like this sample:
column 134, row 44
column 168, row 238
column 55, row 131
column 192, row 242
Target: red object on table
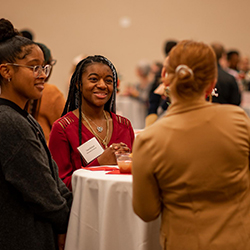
column 102, row 168
column 116, row 171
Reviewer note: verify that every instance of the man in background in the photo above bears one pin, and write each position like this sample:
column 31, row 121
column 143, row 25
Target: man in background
column 227, row 87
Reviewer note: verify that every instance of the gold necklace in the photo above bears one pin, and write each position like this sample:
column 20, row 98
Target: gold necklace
column 105, row 140
column 99, row 128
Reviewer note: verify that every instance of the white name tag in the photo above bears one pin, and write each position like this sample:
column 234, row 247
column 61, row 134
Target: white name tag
column 90, row 150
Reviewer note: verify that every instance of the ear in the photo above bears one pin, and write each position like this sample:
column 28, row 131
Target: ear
column 210, row 87
column 163, row 72
column 5, row 71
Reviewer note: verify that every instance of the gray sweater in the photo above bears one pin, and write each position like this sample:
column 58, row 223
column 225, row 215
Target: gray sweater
column 34, row 202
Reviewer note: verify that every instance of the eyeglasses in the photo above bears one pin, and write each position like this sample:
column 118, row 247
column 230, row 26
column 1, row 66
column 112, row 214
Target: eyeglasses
column 53, row 62
column 37, row 70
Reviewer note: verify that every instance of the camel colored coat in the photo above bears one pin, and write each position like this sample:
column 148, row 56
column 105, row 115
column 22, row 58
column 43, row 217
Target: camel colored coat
column 192, row 168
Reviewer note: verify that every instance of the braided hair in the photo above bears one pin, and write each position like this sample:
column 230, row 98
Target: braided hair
column 74, row 99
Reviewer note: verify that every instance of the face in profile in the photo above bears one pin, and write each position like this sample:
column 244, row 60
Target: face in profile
column 97, row 84
column 24, row 84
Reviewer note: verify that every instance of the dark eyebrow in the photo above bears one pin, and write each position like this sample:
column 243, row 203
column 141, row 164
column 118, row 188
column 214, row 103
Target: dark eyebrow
column 110, row 76
column 95, row 74
column 92, row 74
column 34, row 61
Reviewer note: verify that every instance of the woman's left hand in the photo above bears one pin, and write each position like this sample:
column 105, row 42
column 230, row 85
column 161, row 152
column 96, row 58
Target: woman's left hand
column 120, row 148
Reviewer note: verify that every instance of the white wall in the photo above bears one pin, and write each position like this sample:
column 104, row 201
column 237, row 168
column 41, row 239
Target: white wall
column 69, row 28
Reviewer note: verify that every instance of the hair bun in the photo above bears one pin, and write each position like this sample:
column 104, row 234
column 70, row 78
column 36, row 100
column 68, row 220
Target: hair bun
column 183, row 71
column 7, row 30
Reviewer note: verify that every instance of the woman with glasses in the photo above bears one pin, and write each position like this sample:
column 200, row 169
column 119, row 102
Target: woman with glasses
column 89, row 113
column 35, row 203
column 47, row 109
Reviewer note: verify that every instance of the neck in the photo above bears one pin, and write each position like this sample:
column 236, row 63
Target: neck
column 18, row 101
column 94, row 114
column 197, row 98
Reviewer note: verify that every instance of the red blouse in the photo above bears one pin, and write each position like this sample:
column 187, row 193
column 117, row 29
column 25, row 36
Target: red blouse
column 64, row 140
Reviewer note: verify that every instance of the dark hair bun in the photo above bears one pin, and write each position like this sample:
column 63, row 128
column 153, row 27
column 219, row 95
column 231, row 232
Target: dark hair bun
column 7, row 30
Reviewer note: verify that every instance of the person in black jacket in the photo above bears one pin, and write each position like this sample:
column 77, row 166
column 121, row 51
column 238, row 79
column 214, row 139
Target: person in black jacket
column 35, row 203
column 227, row 87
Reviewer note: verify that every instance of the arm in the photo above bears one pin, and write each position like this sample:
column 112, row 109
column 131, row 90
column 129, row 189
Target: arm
column 66, row 155
column 60, row 149
column 27, row 169
column 132, row 136
column 64, row 191
column 146, row 194
column 154, row 102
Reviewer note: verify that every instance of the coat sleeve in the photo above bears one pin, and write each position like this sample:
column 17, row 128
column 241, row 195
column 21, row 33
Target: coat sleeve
column 26, row 169
column 146, row 194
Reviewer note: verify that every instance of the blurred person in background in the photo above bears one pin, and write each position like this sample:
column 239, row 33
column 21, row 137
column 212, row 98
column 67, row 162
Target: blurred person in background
column 140, row 91
column 244, row 72
column 158, row 102
column 233, row 59
column 226, row 86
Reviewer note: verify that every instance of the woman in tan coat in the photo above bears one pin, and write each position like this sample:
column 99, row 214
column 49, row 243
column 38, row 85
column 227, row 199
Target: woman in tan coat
column 192, row 166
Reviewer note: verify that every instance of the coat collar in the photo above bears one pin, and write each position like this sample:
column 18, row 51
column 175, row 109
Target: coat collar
column 14, row 106
column 183, row 107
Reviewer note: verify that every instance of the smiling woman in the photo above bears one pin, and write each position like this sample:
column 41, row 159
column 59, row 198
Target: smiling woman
column 34, row 200
column 90, row 113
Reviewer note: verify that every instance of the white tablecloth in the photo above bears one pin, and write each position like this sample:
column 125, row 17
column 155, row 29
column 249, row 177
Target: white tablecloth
column 102, row 216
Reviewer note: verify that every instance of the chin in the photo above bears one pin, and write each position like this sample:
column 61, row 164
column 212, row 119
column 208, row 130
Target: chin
column 37, row 96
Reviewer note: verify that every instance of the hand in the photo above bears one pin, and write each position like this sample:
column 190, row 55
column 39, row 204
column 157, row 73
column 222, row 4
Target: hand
column 160, row 89
column 61, row 241
column 120, row 148
column 108, row 156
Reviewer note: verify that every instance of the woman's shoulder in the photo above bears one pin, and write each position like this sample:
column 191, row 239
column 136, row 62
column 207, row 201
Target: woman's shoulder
column 228, row 108
column 121, row 120
column 66, row 121
column 9, row 116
